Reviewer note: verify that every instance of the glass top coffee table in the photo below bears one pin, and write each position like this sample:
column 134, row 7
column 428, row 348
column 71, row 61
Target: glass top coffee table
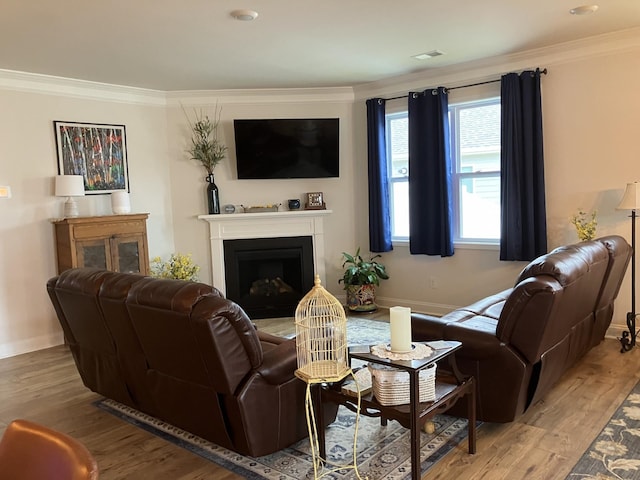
column 450, row 386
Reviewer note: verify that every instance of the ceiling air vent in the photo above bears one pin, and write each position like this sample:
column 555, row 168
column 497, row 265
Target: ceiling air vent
column 431, row 54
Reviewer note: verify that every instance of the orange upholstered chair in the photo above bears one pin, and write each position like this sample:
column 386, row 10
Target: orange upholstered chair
column 29, row 451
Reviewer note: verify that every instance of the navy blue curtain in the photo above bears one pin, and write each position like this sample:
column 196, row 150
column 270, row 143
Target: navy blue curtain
column 523, row 222
column 379, row 212
column 430, row 210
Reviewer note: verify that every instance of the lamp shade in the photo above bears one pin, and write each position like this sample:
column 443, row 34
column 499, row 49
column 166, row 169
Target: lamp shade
column 631, row 198
column 69, row 186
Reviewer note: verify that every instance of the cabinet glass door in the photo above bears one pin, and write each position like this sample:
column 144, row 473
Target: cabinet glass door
column 93, row 254
column 128, row 255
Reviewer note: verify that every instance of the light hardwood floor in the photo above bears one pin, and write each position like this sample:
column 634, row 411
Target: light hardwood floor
column 544, row 444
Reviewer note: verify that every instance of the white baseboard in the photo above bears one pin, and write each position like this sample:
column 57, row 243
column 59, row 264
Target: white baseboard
column 39, row 343
column 615, row 331
column 436, row 309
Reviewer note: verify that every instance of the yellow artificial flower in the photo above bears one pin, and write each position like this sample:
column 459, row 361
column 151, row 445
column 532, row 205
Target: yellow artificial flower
column 179, row 266
column 585, row 227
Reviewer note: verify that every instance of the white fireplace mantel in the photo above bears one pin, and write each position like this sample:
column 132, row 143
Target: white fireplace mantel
column 264, row 225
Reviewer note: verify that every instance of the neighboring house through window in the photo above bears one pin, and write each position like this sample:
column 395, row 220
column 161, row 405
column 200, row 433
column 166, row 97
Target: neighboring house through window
column 475, row 151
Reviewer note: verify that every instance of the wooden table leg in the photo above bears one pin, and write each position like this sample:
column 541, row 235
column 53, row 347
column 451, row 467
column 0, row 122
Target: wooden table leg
column 414, row 399
column 317, row 402
column 471, row 414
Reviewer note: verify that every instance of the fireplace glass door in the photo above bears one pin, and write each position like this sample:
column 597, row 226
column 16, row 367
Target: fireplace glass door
column 267, row 277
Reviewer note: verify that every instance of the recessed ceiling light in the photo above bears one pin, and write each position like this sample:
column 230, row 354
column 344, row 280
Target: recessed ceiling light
column 244, row 14
column 583, row 10
column 425, row 55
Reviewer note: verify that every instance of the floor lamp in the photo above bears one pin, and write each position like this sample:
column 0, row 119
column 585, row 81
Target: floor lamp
column 631, row 201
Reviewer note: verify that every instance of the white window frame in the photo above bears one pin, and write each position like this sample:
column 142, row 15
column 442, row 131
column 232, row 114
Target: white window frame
column 457, row 175
column 395, row 109
column 394, row 180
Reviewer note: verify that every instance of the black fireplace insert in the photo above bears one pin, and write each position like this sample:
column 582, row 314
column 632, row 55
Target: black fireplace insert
column 267, row 277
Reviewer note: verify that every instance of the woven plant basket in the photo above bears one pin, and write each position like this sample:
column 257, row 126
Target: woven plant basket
column 391, row 386
column 321, row 336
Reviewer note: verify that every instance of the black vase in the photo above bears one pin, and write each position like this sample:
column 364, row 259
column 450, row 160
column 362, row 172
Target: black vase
column 212, row 195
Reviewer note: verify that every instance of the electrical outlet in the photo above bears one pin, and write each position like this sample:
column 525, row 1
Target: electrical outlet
column 5, row 191
column 433, row 282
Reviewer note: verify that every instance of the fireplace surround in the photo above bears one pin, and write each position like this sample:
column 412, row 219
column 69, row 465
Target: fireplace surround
column 264, row 225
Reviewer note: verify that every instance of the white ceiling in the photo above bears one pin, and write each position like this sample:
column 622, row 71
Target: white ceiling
column 196, row 45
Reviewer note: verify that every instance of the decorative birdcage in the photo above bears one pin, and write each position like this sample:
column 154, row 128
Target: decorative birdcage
column 321, row 336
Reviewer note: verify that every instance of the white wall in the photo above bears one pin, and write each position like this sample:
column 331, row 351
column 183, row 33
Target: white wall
column 188, row 185
column 590, row 104
column 28, row 164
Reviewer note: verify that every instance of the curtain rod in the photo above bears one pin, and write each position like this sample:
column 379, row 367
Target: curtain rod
column 543, row 72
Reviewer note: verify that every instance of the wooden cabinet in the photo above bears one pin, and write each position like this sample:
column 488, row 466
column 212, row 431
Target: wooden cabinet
column 112, row 242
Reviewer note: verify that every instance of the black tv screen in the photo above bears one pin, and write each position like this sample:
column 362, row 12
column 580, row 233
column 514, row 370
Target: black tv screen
column 287, row 148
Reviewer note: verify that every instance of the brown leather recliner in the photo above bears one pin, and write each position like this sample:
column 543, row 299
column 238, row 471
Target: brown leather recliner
column 183, row 353
column 519, row 342
column 30, row 451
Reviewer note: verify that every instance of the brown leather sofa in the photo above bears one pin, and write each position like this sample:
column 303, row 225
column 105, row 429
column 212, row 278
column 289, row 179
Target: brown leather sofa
column 183, row 353
column 519, row 342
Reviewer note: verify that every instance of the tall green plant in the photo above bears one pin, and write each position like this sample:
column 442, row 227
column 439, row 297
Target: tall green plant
column 358, row 271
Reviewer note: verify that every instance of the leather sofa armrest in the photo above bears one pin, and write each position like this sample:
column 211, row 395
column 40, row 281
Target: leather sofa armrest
column 279, row 363
column 478, row 338
column 269, row 338
column 426, row 327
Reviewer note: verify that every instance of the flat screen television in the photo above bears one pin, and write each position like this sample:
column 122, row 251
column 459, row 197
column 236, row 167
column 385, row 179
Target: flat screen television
column 287, row 148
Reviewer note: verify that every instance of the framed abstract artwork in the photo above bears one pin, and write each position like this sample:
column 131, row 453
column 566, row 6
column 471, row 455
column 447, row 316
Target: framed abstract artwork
column 98, row 152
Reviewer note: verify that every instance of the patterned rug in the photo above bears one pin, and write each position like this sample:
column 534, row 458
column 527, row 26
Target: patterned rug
column 360, row 331
column 615, row 453
column 382, row 452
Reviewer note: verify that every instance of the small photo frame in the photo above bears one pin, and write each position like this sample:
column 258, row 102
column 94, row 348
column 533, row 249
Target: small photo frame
column 315, row 201
column 96, row 151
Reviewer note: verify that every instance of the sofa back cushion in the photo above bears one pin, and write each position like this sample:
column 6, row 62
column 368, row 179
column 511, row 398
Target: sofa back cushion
column 112, row 298
column 619, row 256
column 75, row 297
column 555, row 296
column 228, row 341
column 187, row 332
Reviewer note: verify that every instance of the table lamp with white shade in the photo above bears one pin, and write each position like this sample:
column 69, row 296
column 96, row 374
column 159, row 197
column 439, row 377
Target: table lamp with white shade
column 70, row 186
column 631, row 201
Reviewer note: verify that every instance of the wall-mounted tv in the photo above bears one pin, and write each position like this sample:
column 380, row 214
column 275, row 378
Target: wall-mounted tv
column 287, row 148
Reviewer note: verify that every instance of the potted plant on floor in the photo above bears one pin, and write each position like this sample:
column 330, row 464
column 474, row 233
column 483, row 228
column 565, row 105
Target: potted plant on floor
column 360, row 278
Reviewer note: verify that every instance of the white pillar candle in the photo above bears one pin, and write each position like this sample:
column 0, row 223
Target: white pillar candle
column 400, row 329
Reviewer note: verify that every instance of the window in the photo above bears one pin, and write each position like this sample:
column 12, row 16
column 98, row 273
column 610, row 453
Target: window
column 475, row 160
column 398, row 162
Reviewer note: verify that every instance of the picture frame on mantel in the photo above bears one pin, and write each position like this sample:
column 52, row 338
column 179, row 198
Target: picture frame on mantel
column 96, row 151
column 315, row 201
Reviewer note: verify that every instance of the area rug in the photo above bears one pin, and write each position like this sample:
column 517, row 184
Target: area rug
column 382, row 453
column 360, row 331
column 615, row 453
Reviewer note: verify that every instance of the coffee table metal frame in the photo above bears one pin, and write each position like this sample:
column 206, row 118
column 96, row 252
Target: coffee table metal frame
column 451, row 385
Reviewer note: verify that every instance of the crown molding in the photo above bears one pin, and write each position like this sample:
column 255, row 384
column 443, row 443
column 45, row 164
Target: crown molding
column 493, row 67
column 69, row 87
column 260, row 96
column 451, row 76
